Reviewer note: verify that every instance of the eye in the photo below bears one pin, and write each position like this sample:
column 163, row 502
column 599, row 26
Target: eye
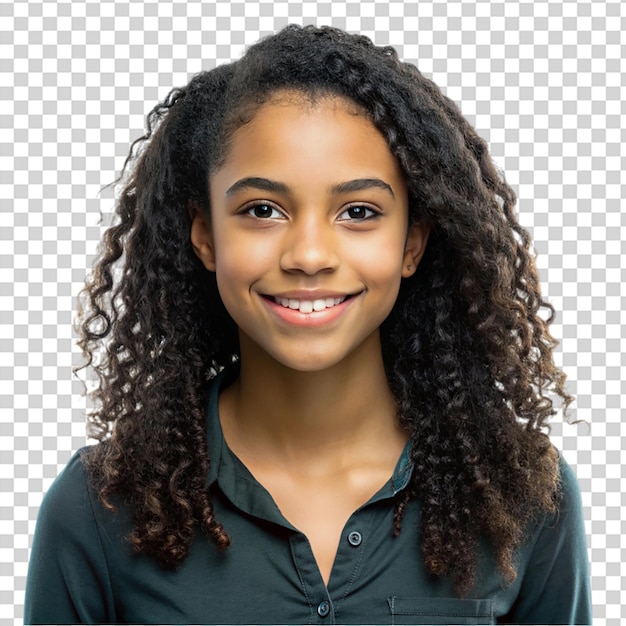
column 264, row 211
column 358, row 212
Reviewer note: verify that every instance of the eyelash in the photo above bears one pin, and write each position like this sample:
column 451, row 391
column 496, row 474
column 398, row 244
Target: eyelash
column 372, row 213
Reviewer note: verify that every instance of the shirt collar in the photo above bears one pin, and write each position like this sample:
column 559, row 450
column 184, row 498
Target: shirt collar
column 404, row 469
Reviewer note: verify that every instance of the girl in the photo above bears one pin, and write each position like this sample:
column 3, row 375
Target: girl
column 325, row 377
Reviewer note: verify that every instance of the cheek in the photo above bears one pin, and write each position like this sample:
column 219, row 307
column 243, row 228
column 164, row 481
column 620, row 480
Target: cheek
column 238, row 248
column 239, row 263
column 234, row 276
column 382, row 261
column 385, row 274
column 239, row 258
column 384, row 281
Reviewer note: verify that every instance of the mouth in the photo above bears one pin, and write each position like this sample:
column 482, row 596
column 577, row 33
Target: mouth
column 309, row 306
column 309, row 310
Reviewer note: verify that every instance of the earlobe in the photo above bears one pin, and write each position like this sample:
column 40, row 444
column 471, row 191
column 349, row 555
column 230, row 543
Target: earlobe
column 416, row 241
column 202, row 240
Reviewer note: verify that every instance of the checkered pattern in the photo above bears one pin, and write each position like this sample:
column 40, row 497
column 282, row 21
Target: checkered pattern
column 543, row 82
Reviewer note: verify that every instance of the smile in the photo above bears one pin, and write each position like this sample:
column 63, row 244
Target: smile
column 308, row 306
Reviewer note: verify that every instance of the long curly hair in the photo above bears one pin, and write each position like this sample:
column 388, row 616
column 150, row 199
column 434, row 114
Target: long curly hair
column 467, row 347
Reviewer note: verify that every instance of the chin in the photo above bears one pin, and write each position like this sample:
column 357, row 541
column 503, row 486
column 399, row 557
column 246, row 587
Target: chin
column 308, row 366
column 308, row 363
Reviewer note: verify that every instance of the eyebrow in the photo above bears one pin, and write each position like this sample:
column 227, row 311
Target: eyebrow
column 265, row 184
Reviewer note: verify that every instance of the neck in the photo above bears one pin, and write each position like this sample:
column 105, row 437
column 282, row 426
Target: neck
column 322, row 417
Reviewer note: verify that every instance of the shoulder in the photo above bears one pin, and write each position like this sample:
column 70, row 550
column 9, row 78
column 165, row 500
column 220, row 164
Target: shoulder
column 71, row 519
column 68, row 580
column 71, row 481
column 566, row 523
column 553, row 585
column 569, row 511
column 571, row 498
column 68, row 501
column 559, row 545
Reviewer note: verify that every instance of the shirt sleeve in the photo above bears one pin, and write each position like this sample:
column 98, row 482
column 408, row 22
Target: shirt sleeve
column 556, row 585
column 68, row 580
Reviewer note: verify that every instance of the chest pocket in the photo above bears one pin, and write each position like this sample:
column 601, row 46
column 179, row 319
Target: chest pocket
column 414, row 610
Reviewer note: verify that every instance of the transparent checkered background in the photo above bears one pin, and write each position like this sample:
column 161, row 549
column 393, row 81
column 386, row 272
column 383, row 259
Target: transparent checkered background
column 543, row 82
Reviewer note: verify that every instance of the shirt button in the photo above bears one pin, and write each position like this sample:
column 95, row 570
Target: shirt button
column 323, row 609
column 355, row 538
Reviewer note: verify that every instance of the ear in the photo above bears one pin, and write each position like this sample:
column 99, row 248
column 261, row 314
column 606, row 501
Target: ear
column 415, row 247
column 202, row 238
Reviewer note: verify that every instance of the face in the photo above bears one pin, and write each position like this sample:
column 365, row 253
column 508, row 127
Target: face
column 308, row 233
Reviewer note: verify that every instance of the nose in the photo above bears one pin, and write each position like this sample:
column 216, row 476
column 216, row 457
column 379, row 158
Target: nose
column 310, row 246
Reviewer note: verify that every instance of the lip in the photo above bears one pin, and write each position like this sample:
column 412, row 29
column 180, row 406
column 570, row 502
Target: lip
column 293, row 317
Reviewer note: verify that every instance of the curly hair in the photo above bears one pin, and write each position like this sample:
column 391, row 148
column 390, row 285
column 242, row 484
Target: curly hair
column 468, row 355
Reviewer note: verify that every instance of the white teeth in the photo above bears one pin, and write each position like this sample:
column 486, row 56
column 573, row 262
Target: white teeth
column 308, row 306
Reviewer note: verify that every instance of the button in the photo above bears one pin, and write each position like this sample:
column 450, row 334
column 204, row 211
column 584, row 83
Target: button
column 355, row 538
column 323, row 608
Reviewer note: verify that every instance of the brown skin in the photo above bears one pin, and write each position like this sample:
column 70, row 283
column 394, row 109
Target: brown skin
column 311, row 415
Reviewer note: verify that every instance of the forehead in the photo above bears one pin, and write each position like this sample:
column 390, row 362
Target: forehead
column 315, row 131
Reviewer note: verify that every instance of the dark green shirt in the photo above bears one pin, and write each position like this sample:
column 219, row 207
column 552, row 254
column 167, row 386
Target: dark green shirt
column 83, row 571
